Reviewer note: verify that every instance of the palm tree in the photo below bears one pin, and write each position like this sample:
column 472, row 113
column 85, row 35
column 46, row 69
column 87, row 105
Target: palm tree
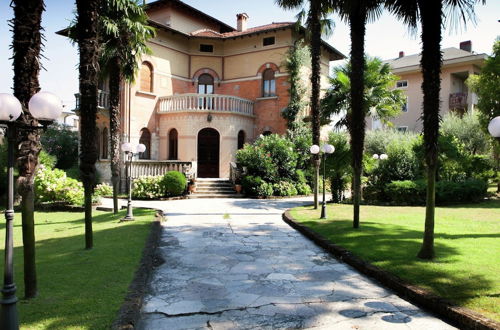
column 430, row 14
column 124, row 32
column 26, row 46
column 87, row 38
column 357, row 13
column 315, row 22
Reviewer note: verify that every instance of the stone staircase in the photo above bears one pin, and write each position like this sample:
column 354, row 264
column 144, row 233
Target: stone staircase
column 214, row 188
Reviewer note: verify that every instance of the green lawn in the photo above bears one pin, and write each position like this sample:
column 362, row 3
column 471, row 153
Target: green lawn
column 79, row 289
column 466, row 270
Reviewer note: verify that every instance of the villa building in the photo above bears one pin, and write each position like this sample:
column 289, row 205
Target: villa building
column 206, row 89
column 458, row 65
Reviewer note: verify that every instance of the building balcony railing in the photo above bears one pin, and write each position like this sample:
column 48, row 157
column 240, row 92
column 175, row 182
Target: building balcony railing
column 458, row 101
column 102, row 100
column 160, row 167
column 211, row 102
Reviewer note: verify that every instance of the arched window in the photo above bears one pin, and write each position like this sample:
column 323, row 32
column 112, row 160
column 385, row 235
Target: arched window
column 241, row 139
column 98, row 142
column 268, row 83
column 105, row 143
column 146, row 140
column 146, row 74
column 205, row 84
column 172, row 144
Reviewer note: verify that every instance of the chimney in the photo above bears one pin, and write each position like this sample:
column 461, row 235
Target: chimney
column 241, row 20
column 466, row 45
column 401, row 54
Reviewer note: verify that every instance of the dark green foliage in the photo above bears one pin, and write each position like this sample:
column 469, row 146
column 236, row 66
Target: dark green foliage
column 272, row 158
column 175, row 183
column 447, row 192
column 301, row 137
column 295, row 59
column 284, row 188
column 47, row 160
column 255, row 186
column 62, row 143
column 338, row 164
column 303, row 189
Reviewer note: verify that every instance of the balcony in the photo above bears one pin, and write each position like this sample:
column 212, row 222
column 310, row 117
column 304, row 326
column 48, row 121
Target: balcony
column 102, row 100
column 205, row 102
column 458, row 101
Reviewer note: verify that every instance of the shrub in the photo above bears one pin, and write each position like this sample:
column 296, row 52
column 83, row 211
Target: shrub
column 148, row 187
column 46, row 159
column 300, row 176
column 284, row 188
column 447, row 192
column 255, row 186
column 52, row 185
column 303, row 189
column 175, row 183
column 271, row 157
column 103, row 189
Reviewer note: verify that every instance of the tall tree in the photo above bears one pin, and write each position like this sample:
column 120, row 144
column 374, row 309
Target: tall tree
column 88, row 44
column 124, row 32
column 316, row 23
column 357, row 13
column 26, row 46
column 430, row 15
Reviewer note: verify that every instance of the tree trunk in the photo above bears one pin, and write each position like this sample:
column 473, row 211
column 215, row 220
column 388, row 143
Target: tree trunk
column 87, row 37
column 431, row 16
column 357, row 22
column 315, row 25
column 114, row 128
column 26, row 45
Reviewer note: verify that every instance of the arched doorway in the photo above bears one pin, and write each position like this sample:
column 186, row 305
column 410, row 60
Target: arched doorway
column 208, row 153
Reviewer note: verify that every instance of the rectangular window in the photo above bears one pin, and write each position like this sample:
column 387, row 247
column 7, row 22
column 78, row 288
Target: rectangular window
column 206, row 48
column 268, row 41
column 404, row 108
column 402, row 84
column 402, row 128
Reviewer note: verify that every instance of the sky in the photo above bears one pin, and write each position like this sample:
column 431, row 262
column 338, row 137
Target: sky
column 384, row 38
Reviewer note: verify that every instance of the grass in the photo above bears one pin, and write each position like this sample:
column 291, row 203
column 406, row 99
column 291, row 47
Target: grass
column 78, row 288
column 467, row 266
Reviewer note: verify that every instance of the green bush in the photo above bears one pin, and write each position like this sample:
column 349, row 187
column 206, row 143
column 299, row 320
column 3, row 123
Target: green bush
column 272, row 158
column 52, row 185
column 103, row 189
column 175, row 183
column 255, row 186
column 61, row 142
column 284, row 188
column 303, row 189
column 148, row 187
column 447, row 192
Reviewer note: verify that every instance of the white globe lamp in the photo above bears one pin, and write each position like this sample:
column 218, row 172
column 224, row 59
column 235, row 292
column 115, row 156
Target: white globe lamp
column 494, row 127
column 10, row 107
column 314, row 149
column 45, row 106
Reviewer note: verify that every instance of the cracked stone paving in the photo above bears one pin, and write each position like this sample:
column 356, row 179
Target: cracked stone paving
column 234, row 264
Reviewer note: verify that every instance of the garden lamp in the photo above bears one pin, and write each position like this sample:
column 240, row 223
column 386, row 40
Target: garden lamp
column 325, row 150
column 494, row 127
column 45, row 107
column 129, row 156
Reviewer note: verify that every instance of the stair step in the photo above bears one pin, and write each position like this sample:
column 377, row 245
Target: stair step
column 202, row 190
column 215, row 196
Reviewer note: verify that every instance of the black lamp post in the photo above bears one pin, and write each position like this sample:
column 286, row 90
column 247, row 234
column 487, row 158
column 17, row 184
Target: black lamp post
column 494, row 129
column 45, row 107
column 326, row 149
column 129, row 156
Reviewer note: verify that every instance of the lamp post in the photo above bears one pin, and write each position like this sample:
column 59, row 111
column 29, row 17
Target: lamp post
column 380, row 157
column 494, row 129
column 326, row 149
column 129, row 156
column 45, row 107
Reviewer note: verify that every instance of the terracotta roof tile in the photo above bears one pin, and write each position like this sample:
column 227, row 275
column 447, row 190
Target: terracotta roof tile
column 258, row 29
column 206, row 33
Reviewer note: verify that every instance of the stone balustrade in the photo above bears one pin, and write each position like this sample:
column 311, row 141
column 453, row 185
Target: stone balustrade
column 207, row 102
column 102, row 100
column 160, row 167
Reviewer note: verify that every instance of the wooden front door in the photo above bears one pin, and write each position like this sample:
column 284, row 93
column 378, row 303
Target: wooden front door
column 208, row 153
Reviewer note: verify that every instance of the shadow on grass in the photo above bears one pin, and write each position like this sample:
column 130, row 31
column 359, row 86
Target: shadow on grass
column 488, row 204
column 83, row 288
column 394, row 248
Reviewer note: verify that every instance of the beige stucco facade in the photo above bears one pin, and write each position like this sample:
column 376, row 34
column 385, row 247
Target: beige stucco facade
column 458, row 65
column 233, row 106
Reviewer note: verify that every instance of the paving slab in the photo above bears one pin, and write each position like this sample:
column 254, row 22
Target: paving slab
column 234, row 264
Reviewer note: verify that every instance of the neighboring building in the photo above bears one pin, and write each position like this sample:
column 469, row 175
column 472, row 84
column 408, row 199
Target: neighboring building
column 206, row 90
column 458, row 64
column 69, row 119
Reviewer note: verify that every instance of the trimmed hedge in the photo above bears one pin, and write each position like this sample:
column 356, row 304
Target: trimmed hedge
column 447, row 192
column 175, row 183
column 171, row 184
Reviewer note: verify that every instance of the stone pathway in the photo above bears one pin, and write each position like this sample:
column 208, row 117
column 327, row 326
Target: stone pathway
column 234, row 264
